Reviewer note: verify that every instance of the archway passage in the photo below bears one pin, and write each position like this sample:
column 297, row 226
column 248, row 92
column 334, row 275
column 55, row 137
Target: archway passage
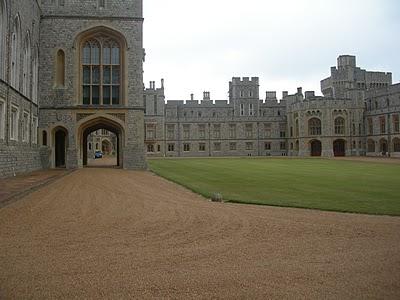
column 316, row 148
column 108, row 136
column 339, row 148
column 60, row 148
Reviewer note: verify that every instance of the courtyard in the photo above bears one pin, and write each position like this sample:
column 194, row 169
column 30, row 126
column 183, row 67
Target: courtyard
column 359, row 185
column 110, row 233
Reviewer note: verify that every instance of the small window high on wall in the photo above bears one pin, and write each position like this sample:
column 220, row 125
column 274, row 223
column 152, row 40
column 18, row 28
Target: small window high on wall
column 60, row 69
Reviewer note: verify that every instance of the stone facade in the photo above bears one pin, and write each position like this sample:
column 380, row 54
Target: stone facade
column 244, row 125
column 19, row 39
column 297, row 125
column 382, row 112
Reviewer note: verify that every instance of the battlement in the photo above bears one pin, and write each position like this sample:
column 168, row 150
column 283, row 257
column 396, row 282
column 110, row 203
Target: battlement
column 92, row 8
column 270, row 95
column 387, row 90
column 346, row 61
column 245, row 80
column 196, row 103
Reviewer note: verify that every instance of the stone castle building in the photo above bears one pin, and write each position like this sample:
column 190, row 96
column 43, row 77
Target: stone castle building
column 358, row 114
column 69, row 68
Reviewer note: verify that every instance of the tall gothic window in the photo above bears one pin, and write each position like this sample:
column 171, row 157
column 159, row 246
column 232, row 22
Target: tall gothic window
column 26, row 67
column 15, row 53
column 3, row 34
column 339, row 126
column 101, row 72
column 314, row 126
column 35, row 74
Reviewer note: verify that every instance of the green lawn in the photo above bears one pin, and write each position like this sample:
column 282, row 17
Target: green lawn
column 350, row 186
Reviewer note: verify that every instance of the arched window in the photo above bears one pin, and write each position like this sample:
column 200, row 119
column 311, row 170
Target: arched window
column 15, row 53
column 35, row 74
column 297, row 129
column 3, row 34
column 314, row 126
column 101, row 71
column 26, row 67
column 339, row 125
column 60, row 69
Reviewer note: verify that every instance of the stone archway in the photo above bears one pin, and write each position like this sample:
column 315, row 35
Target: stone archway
column 315, row 148
column 339, row 148
column 96, row 123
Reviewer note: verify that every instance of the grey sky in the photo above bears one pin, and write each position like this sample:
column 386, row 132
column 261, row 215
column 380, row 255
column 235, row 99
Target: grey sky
column 198, row 46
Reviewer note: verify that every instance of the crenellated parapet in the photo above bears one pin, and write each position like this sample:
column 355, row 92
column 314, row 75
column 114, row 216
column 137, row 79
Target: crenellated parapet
column 92, row 9
column 347, row 76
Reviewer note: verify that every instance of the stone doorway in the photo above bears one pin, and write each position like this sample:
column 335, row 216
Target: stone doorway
column 383, row 146
column 60, row 143
column 339, row 148
column 316, row 148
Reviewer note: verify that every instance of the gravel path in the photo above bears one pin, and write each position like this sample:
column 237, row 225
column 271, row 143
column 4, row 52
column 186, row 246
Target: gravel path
column 110, row 233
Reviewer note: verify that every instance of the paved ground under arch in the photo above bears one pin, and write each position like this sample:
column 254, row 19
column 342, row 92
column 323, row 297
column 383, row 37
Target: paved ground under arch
column 110, row 233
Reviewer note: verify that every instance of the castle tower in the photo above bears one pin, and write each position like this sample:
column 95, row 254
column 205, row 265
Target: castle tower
column 244, row 95
column 346, row 78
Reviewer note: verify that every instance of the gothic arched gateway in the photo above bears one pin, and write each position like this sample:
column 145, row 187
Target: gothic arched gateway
column 101, row 122
column 339, row 147
column 315, row 148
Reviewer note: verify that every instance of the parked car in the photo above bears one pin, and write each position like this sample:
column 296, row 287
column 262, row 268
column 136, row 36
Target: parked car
column 98, row 154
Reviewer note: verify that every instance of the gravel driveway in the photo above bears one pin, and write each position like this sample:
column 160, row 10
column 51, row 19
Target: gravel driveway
column 110, row 233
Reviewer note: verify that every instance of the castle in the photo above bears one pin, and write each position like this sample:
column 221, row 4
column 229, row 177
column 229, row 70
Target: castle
column 70, row 68
column 358, row 114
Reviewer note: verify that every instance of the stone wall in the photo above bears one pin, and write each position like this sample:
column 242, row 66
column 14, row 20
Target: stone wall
column 20, row 155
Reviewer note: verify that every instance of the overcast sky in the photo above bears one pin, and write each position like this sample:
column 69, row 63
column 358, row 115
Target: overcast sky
column 200, row 45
